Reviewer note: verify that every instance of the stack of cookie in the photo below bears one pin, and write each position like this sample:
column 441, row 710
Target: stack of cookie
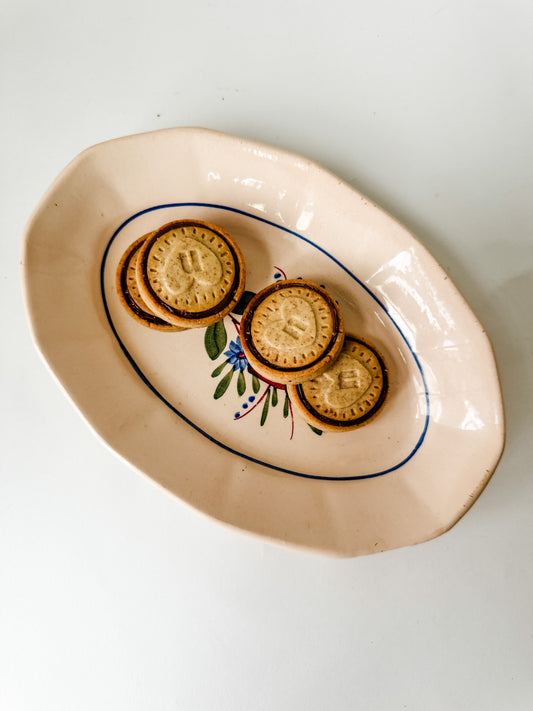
column 186, row 274
column 190, row 274
column 292, row 332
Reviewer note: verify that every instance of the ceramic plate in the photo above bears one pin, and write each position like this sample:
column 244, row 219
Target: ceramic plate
column 185, row 409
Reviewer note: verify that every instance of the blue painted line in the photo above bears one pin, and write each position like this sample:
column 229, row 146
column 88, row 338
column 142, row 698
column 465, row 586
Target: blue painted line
column 192, row 424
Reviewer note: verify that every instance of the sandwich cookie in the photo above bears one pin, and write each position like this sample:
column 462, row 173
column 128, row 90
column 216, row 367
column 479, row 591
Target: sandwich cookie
column 291, row 331
column 129, row 294
column 190, row 273
column 347, row 395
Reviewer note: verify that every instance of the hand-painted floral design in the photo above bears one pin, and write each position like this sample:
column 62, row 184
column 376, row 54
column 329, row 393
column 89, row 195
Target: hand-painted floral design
column 215, row 342
column 235, row 355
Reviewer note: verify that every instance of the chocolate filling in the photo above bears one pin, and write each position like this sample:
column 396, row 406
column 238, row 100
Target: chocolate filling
column 133, row 305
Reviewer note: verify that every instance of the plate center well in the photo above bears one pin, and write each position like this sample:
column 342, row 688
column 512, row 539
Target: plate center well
column 203, row 377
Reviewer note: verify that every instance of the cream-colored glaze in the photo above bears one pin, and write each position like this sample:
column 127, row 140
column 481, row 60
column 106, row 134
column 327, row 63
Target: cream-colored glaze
column 437, row 462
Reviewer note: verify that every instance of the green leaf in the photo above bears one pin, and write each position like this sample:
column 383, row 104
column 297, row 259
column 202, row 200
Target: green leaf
column 221, row 337
column 255, row 383
column 316, row 430
column 215, row 339
column 286, row 406
column 265, row 407
column 274, row 397
column 241, row 383
column 219, row 369
column 243, row 302
column 223, row 385
column 210, row 343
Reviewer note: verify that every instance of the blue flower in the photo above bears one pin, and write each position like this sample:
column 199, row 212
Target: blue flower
column 235, row 355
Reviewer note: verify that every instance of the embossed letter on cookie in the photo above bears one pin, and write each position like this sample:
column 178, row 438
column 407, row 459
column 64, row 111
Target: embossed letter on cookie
column 348, row 394
column 191, row 273
column 186, row 263
column 291, row 331
column 295, row 329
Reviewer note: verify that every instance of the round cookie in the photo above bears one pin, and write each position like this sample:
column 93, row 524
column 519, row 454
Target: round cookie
column 291, row 331
column 128, row 290
column 190, row 273
column 347, row 395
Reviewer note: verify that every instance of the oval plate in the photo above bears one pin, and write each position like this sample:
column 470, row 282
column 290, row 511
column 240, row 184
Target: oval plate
column 185, row 409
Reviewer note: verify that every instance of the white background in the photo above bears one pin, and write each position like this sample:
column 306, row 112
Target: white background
column 113, row 594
